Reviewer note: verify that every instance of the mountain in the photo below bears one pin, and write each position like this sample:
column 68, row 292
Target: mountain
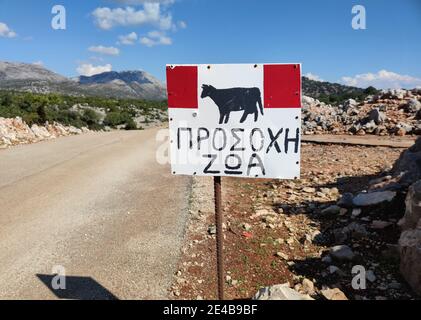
column 37, row 79
column 138, row 84
column 22, row 71
column 130, row 84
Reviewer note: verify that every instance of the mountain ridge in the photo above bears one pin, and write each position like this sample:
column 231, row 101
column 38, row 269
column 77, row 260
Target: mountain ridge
column 135, row 84
column 37, row 79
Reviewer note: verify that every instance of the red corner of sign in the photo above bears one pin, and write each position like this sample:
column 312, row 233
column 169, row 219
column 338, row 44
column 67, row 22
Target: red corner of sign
column 282, row 86
column 182, row 87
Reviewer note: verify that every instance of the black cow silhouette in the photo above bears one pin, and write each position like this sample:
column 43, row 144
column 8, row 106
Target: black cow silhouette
column 234, row 99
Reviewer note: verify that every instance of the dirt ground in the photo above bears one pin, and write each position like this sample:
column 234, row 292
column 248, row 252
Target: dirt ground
column 275, row 231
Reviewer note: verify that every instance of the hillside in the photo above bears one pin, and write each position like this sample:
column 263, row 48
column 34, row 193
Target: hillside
column 95, row 113
column 333, row 92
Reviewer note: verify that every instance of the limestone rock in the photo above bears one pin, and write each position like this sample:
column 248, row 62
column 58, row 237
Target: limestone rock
column 280, row 292
column 331, row 210
column 413, row 207
column 334, row 294
column 308, row 286
column 342, row 253
column 14, row 131
column 373, row 198
column 410, row 252
column 413, row 105
column 376, row 116
column 408, row 166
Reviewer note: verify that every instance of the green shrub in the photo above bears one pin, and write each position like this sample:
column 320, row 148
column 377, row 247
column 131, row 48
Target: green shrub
column 42, row 115
column 371, row 91
column 39, row 108
column 90, row 117
column 115, row 118
column 130, row 125
column 31, row 118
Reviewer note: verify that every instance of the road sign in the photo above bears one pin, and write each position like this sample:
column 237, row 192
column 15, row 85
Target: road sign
column 240, row 120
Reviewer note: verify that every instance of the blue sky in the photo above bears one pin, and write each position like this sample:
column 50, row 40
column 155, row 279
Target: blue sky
column 316, row 33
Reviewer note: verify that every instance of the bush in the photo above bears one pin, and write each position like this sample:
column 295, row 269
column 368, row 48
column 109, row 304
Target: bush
column 69, row 118
column 371, row 91
column 115, row 118
column 42, row 115
column 39, row 108
column 31, row 118
column 90, row 117
column 131, row 125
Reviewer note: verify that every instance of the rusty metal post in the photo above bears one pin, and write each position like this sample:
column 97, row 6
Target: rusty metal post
column 219, row 238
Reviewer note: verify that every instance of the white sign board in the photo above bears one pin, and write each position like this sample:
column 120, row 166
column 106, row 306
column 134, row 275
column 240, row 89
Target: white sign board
column 240, row 120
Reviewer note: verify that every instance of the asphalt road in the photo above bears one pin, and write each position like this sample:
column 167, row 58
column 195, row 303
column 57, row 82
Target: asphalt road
column 98, row 205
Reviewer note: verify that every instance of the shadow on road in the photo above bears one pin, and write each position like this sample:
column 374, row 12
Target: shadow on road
column 78, row 288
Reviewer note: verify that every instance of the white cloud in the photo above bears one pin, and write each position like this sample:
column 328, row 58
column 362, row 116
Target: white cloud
column 312, row 76
column 155, row 38
column 87, row 69
column 111, row 51
column 38, row 63
column 382, row 80
column 128, row 39
column 151, row 14
column 182, row 24
column 6, row 32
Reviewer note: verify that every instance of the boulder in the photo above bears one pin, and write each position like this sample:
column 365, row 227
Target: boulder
column 331, row 210
column 410, row 254
column 41, row 132
column 408, row 166
column 350, row 103
column 405, row 127
column 370, row 126
column 373, row 198
column 280, row 292
column 308, row 102
column 376, row 116
column 308, row 286
column 410, row 240
column 333, row 294
column 412, row 215
column 342, row 253
column 413, row 105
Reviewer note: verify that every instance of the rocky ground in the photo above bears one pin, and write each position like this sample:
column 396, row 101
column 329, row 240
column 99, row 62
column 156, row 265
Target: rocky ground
column 15, row 131
column 393, row 112
column 307, row 234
